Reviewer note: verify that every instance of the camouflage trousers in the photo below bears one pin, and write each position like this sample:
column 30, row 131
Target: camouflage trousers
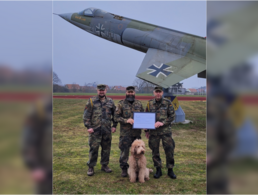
column 125, row 143
column 168, row 145
column 96, row 140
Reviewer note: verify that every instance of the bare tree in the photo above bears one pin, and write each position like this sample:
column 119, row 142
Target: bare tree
column 138, row 83
column 56, row 79
column 143, row 86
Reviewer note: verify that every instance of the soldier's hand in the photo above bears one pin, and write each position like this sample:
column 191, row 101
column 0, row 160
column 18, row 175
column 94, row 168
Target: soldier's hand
column 130, row 120
column 158, row 124
column 147, row 134
column 208, row 160
column 113, row 129
column 38, row 174
column 90, row 130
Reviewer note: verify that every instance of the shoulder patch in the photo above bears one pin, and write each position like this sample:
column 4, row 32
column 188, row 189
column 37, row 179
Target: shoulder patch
column 167, row 100
column 150, row 102
column 93, row 98
column 109, row 99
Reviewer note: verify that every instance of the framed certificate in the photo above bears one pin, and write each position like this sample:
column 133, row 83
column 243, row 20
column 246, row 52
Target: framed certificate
column 144, row 120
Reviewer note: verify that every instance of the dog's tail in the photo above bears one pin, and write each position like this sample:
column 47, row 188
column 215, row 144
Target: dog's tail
column 150, row 170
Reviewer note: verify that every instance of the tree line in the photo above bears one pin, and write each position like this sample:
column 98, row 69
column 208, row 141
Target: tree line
column 140, row 85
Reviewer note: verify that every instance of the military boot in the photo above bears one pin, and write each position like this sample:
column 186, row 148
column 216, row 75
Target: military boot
column 171, row 173
column 124, row 172
column 106, row 169
column 158, row 173
column 90, row 171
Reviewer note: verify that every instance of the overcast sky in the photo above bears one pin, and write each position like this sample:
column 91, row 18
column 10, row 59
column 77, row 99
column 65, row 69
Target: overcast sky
column 80, row 57
column 25, row 34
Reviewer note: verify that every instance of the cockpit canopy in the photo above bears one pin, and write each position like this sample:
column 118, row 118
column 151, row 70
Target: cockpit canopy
column 92, row 12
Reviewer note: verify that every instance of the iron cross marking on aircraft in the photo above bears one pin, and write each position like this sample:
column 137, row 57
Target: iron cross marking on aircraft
column 100, row 29
column 158, row 70
column 161, row 45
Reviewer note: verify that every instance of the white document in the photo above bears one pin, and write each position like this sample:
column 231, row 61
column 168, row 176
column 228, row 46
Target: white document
column 144, row 120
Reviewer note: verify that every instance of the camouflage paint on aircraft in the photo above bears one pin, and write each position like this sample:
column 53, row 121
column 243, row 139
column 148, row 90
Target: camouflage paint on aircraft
column 171, row 55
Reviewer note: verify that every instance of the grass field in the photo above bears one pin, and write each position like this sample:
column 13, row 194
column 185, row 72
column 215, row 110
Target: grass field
column 122, row 94
column 70, row 155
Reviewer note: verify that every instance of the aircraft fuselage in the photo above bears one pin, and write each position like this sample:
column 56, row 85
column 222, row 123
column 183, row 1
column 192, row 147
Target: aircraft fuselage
column 138, row 35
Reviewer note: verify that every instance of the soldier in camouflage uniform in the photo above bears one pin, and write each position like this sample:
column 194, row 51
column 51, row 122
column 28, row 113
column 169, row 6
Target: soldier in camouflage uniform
column 124, row 115
column 221, row 135
column 97, row 117
column 165, row 114
column 37, row 144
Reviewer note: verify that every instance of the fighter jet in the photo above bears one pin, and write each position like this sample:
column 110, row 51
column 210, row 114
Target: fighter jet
column 171, row 55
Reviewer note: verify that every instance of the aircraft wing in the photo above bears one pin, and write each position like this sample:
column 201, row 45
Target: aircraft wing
column 165, row 69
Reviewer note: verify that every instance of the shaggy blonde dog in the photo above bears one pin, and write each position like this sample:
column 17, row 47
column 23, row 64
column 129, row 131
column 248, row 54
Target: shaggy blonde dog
column 137, row 162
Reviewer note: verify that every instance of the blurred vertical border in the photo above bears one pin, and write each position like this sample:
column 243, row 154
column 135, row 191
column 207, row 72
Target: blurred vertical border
column 232, row 98
column 25, row 97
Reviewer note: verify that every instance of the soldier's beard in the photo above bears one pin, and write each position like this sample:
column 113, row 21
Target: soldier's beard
column 102, row 95
column 158, row 98
column 130, row 98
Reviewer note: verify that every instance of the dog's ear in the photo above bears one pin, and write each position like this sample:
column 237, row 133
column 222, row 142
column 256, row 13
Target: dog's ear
column 132, row 149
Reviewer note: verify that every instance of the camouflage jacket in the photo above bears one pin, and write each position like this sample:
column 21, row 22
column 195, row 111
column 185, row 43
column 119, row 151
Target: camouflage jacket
column 124, row 111
column 98, row 115
column 221, row 131
column 164, row 113
column 37, row 136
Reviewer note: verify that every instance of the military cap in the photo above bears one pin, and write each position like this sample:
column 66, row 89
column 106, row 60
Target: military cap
column 158, row 88
column 130, row 88
column 101, row 87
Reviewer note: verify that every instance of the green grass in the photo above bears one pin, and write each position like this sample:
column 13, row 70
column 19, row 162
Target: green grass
column 70, row 155
column 20, row 88
column 122, row 94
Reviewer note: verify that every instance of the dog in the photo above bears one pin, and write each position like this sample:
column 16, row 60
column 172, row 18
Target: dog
column 137, row 163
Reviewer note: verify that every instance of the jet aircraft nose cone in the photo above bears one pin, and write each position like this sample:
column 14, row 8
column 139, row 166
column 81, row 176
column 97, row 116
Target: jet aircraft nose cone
column 66, row 16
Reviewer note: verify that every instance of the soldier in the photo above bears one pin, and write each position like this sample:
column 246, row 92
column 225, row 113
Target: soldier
column 124, row 115
column 97, row 117
column 164, row 116
column 37, row 144
column 221, row 135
